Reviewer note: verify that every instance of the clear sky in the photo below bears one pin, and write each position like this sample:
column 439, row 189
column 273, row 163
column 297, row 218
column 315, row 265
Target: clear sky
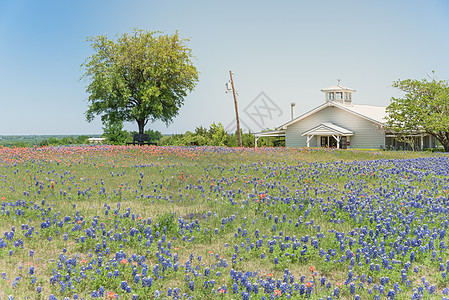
column 287, row 50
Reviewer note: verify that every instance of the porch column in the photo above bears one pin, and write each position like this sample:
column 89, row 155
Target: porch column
column 255, row 141
column 337, row 138
column 309, row 137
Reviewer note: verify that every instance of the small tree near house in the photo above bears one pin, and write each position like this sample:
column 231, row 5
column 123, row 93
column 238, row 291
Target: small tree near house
column 424, row 108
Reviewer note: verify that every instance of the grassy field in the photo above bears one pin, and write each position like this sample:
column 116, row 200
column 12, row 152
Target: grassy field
column 115, row 222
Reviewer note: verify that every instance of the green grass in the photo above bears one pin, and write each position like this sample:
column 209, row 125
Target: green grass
column 121, row 187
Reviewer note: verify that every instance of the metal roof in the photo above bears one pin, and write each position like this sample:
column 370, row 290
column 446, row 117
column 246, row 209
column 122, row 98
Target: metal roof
column 376, row 113
column 336, row 88
column 270, row 133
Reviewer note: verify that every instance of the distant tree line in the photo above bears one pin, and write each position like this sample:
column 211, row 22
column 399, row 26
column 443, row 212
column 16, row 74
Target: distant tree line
column 70, row 140
column 114, row 133
column 215, row 135
column 41, row 140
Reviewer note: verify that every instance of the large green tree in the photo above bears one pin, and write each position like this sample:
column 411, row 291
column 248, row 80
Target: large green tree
column 143, row 76
column 424, row 108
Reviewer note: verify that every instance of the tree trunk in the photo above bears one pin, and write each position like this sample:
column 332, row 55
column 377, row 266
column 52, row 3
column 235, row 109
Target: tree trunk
column 446, row 147
column 141, row 124
column 444, row 141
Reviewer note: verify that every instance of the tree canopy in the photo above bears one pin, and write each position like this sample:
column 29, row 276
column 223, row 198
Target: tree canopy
column 423, row 109
column 143, row 76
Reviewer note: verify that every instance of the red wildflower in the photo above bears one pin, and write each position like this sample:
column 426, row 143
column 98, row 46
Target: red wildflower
column 111, row 295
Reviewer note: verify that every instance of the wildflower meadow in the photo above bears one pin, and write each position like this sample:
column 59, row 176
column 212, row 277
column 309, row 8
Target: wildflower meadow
column 130, row 222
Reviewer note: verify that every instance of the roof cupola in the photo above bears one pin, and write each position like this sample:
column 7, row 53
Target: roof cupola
column 338, row 94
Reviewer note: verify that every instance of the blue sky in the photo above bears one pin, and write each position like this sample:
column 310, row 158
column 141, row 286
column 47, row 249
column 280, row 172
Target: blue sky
column 288, row 50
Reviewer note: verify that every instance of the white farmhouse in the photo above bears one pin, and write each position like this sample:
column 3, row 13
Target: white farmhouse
column 339, row 123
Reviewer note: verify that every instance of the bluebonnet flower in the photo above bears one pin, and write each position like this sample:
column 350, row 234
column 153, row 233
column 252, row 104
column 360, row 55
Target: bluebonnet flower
column 352, row 288
column 391, row 294
column 255, row 288
column 235, row 288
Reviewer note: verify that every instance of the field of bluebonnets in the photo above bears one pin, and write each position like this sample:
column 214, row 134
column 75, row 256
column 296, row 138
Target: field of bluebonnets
column 115, row 222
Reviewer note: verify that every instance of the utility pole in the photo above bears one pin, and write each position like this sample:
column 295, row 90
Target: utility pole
column 236, row 111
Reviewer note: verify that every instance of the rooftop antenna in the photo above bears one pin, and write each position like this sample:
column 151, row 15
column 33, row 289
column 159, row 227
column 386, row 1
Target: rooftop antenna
column 338, row 81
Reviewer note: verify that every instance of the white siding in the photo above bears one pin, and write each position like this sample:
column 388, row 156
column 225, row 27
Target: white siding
column 367, row 134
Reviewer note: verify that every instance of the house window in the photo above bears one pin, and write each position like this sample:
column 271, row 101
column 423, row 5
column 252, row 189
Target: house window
column 348, row 96
column 330, row 96
column 324, row 141
column 339, row 96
